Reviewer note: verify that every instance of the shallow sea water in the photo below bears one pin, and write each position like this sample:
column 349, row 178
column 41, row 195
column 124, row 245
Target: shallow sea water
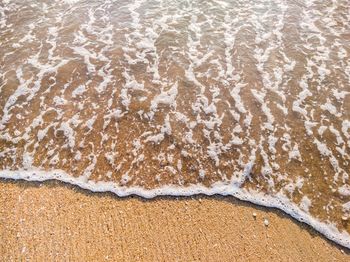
column 243, row 98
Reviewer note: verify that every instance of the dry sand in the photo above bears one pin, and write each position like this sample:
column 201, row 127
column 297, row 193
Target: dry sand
column 56, row 222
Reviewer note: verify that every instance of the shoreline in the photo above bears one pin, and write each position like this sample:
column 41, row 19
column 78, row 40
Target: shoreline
column 222, row 189
column 61, row 205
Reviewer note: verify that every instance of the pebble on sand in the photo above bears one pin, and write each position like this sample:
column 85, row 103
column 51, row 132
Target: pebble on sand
column 266, row 222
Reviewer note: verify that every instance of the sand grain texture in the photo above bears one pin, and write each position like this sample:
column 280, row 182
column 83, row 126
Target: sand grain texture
column 57, row 222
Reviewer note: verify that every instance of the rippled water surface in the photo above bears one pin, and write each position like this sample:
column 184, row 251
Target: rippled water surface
column 249, row 98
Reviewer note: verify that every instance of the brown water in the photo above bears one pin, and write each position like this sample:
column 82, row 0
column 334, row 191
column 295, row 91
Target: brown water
column 240, row 97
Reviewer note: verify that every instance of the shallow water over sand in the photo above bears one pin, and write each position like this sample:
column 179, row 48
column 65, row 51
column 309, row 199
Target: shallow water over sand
column 250, row 98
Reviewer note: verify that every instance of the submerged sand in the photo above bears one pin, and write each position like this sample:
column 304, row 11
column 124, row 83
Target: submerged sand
column 53, row 221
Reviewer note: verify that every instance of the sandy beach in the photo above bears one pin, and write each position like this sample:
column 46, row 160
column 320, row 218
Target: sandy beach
column 167, row 100
column 53, row 221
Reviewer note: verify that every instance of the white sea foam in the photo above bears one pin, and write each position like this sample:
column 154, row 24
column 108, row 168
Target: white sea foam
column 71, row 1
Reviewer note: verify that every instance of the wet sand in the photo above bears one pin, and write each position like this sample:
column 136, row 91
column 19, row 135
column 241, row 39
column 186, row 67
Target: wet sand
column 53, row 221
column 244, row 98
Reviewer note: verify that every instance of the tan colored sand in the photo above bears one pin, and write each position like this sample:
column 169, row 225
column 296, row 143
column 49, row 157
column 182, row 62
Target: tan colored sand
column 57, row 222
